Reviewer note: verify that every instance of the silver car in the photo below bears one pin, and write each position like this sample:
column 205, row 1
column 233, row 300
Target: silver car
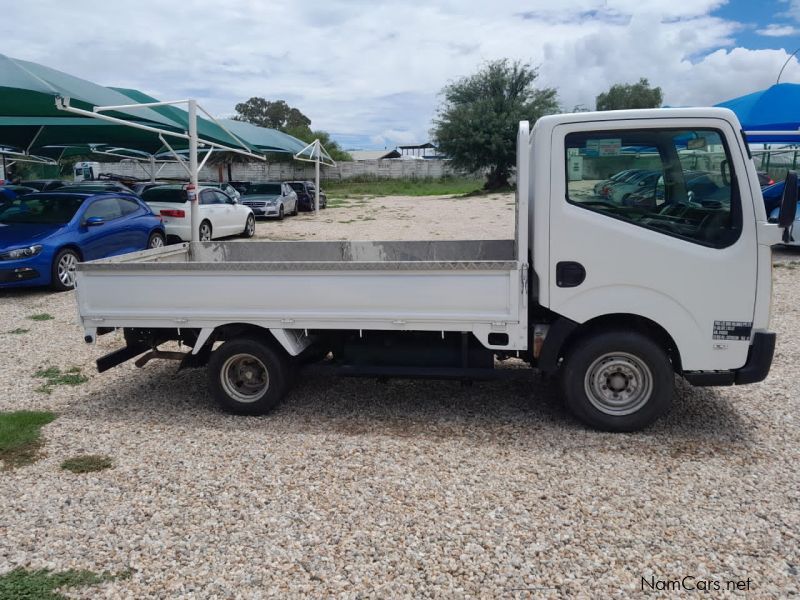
column 270, row 199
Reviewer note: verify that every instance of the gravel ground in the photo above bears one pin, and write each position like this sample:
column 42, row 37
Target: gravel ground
column 403, row 489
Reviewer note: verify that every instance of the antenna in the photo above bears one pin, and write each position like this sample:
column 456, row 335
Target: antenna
column 778, row 80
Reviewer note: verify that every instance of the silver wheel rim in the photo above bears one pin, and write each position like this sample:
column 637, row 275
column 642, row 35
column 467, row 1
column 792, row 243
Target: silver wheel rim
column 244, row 378
column 66, row 269
column 156, row 242
column 251, row 225
column 618, row 383
column 205, row 233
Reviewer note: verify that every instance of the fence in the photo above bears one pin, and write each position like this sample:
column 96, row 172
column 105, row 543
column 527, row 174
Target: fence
column 379, row 169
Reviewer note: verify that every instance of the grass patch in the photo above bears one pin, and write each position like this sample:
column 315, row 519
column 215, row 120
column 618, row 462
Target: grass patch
column 20, row 436
column 41, row 584
column 87, row 463
column 17, row 331
column 53, row 376
column 41, row 317
column 446, row 186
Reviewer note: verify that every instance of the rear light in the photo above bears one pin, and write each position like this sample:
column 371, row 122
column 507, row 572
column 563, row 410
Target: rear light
column 771, row 181
column 169, row 212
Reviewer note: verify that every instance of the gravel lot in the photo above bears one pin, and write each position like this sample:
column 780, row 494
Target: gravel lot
column 414, row 489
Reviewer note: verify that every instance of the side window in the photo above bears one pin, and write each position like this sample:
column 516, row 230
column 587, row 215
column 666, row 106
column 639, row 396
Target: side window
column 223, row 198
column 677, row 182
column 107, row 208
column 207, row 197
column 127, row 206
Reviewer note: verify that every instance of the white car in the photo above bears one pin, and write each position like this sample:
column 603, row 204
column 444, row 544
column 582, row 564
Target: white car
column 220, row 215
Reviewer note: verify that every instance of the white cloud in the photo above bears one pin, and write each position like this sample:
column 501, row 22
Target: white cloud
column 374, row 68
column 775, row 30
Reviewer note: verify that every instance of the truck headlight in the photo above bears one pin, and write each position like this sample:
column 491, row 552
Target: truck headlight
column 17, row 253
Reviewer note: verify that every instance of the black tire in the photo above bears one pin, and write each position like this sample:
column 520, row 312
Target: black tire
column 249, row 227
column 617, row 381
column 62, row 270
column 280, row 213
column 247, row 377
column 156, row 240
column 296, row 209
column 200, row 235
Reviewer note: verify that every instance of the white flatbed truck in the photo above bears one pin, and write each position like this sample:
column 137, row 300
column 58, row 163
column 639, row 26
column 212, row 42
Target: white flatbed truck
column 615, row 298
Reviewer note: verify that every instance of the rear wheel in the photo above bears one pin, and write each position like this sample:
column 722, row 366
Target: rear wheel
column 156, row 240
column 63, row 270
column 617, row 381
column 247, row 377
column 205, row 231
column 249, row 227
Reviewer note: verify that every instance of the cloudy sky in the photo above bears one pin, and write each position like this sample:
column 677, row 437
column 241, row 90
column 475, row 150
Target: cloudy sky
column 370, row 71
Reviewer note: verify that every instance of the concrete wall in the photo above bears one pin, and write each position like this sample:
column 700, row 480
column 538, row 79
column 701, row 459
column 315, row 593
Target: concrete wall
column 384, row 169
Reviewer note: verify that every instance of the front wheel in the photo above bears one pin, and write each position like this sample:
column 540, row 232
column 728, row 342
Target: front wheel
column 280, row 213
column 249, row 227
column 617, row 381
column 156, row 240
column 247, row 377
column 63, row 270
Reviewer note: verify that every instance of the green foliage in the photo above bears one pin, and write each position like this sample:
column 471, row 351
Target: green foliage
column 41, row 317
column 279, row 115
column 41, row 584
column 20, row 433
column 366, row 186
column 53, row 376
column 630, row 95
column 17, row 331
column 476, row 126
column 87, row 463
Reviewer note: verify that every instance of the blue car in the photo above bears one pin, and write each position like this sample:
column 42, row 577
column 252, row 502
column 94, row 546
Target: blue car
column 44, row 235
column 772, row 196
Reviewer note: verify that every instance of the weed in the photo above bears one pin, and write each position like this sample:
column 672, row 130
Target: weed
column 87, row 463
column 41, row 317
column 17, row 331
column 41, row 584
column 53, row 376
column 20, row 436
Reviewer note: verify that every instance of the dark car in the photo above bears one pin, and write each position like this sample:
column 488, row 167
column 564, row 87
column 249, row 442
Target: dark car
column 305, row 195
column 44, row 235
column 96, row 187
column 143, row 186
column 45, row 185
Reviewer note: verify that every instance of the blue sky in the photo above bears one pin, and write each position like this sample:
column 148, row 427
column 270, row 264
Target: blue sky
column 370, row 71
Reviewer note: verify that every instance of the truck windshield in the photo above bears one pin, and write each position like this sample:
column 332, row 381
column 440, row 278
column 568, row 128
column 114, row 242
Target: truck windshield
column 43, row 210
column 272, row 189
column 165, row 194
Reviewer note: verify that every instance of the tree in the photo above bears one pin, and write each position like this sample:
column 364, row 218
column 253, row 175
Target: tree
column 476, row 125
column 630, row 95
column 279, row 115
column 274, row 115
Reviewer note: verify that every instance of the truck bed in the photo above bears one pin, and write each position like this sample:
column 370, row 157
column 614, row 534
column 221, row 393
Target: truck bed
column 433, row 285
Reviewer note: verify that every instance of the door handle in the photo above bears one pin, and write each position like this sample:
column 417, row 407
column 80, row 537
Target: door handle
column 569, row 274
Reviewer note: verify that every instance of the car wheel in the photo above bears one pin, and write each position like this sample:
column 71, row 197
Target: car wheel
column 249, row 227
column 247, row 377
column 296, row 209
column 63, row 270
column 156, row 240
column 617, row 381
column 280, row 213
column 205, row 231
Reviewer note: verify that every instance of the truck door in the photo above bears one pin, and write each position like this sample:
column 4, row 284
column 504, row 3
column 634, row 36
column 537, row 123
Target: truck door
column 679, row 250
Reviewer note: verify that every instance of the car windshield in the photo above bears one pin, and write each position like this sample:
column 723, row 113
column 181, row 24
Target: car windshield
column 41, row 209
column 165, row 194
column 272, row 189
column 297, row 187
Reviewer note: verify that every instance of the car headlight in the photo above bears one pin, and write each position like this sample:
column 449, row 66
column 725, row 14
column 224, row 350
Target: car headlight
column 272, row 202
column 21, row 252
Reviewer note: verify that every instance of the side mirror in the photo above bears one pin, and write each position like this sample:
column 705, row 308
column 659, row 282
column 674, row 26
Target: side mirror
column 94, row 221
column 788, row 205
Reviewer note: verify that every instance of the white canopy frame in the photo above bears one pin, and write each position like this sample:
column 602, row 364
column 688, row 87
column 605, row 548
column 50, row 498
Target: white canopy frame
column 315, row 152
column 63, row 103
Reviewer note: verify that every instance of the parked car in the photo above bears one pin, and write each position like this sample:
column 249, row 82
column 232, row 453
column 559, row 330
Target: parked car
column 143, row 186
column 96, row 187
column 772, row 198
column 305, row 191
column 619, row 191
column 45, row 185
column 225, row 186
column 44, row 235
column 764, row 179
column 614, row 178
column 220, row 215
column 9, row 192
column 271, row 199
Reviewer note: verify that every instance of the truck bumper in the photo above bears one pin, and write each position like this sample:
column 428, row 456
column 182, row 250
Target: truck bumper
column 759, row 360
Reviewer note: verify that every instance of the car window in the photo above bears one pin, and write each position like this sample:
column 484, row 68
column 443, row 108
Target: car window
column 44, row 209
column 165, row 194
column 106, row 208
column 207, row 197
column 264, row 188
column 681, row 183
column 222, row 197
column 128, row 206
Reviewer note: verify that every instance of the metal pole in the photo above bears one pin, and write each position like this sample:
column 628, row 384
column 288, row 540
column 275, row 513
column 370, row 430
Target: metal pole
column 316, row 182
column 195, row 211
column 152, row 168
